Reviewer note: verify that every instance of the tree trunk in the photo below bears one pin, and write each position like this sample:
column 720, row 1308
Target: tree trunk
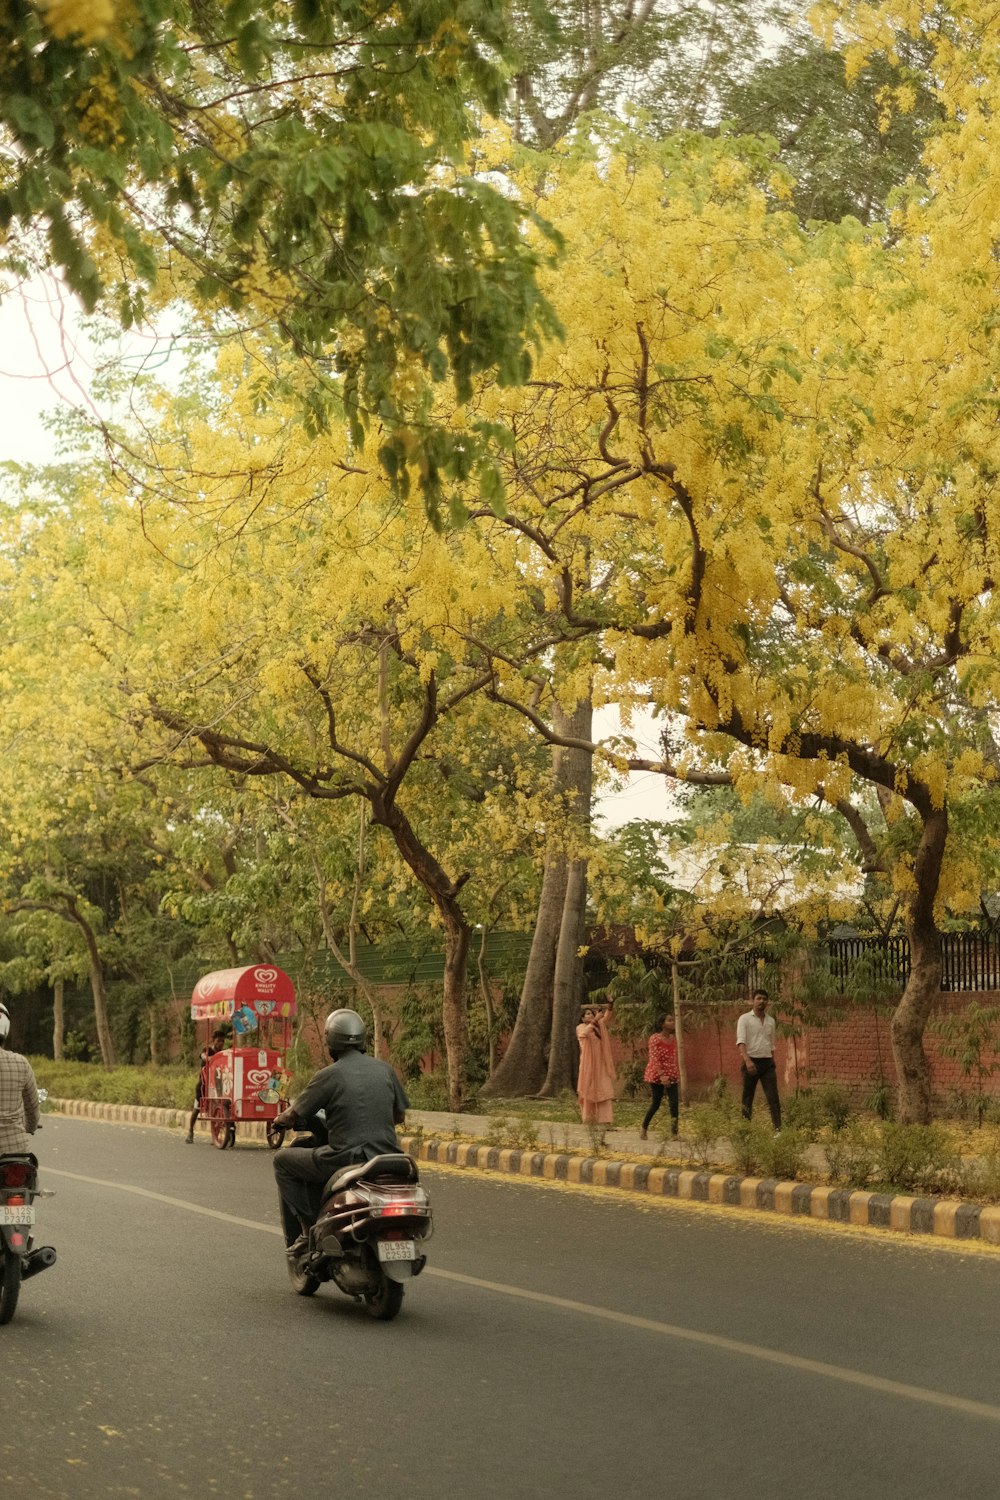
column 58, row 1018
column 486, row 991
column 455, row 1012
column 567, row 989
column 444, row 894
column 522, row 1069
column 99, row 993
column 567, row 986
column 679, row 1034
column 154, row 1038
column 923, row 988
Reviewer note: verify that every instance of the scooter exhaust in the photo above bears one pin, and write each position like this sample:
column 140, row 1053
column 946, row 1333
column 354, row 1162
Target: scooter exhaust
column 38, row 1260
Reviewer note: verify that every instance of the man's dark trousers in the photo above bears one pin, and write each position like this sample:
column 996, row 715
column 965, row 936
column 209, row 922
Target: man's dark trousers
column 301, row 1173
column 767, row 1076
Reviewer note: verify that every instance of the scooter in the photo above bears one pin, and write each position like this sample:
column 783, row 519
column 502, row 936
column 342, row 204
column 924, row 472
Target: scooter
column 369, row 1237
column 21, row 1259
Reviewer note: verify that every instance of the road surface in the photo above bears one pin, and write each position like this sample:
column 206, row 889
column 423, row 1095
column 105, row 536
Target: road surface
column 562, row 1343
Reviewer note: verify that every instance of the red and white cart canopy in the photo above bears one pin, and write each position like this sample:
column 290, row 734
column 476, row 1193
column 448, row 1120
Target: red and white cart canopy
column 260, row 988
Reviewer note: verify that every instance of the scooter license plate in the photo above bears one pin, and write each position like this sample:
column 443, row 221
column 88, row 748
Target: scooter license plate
column 397, row 1250
column 19, row 1213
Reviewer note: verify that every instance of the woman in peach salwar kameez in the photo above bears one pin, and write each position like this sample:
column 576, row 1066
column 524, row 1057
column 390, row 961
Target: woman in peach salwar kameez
column 595, row 1088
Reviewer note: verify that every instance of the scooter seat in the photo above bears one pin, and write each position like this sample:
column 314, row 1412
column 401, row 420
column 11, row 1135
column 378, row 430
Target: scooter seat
column 392, row 1167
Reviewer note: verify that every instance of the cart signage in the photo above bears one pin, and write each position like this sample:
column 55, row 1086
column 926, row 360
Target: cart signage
column 261, row 990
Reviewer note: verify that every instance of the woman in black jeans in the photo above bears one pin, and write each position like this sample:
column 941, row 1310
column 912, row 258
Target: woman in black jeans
column 662, row 1073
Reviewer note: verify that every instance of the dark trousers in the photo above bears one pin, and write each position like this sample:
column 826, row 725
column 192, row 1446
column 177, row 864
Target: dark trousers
column 301, row 1172
column 767, row 1076
column 657, row 1090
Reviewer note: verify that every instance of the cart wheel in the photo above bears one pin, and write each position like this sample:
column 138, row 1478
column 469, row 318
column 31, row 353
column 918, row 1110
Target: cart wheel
column 223, row 1133
column 275, row 1135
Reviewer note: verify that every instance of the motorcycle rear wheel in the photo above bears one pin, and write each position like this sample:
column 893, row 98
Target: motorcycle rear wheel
column 384, row 1303
column 10, row 1284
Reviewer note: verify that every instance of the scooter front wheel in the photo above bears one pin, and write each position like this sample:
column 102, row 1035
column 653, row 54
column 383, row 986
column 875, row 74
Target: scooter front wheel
column 10, row 1284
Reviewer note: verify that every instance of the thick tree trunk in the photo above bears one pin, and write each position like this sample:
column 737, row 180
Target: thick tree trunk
column 923, row 987
column 528, row 1067
column 58, row 1018
column 521, row 1071
column 567, row 987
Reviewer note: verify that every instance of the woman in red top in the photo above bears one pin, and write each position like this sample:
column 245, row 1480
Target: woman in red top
column 662, row 1073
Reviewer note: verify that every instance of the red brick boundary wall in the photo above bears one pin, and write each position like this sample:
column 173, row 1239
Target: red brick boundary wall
column 853, row 1049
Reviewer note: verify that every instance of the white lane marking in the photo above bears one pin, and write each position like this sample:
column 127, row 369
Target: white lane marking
column 139, row 1192
column 841, row 1373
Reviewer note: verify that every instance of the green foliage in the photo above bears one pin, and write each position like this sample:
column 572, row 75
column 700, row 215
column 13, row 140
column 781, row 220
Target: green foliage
column 517, row 1132
column 853, row 1155
column 917, row 1158
column 160, row 1088
column 969, row 1037
column 342, row 215
column 810, row 1110
column 705, row 1125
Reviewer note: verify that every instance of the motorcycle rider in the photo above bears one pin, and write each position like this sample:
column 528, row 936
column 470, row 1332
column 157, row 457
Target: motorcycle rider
column 363, row 1102
column 19, row 1107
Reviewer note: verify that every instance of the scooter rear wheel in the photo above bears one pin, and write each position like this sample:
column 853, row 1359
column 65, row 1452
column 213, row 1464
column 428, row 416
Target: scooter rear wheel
column 386, row 1302
column 10, row 1284
column 302, row 1283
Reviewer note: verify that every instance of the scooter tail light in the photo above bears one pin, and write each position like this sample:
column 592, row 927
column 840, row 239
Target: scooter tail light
column 14, row 1174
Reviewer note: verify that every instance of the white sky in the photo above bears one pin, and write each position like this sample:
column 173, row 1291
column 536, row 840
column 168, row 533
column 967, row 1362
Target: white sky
column 47, row 363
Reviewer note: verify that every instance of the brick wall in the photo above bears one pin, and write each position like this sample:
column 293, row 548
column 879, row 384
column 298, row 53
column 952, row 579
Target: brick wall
column 848, row 1050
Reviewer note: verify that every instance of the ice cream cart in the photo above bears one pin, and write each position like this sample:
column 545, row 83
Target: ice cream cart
column 248, row 1079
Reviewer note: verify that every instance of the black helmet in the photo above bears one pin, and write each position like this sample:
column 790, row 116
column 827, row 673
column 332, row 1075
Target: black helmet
column 345, row 1032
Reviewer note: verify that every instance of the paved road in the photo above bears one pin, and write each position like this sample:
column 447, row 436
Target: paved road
column 561, row 1344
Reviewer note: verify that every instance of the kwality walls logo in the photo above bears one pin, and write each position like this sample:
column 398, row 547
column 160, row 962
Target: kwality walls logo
column 265, row 979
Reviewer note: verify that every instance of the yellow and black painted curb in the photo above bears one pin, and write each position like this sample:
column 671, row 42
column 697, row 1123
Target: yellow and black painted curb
column 144, row 1114
column 947, row 1217
column 939, row 1216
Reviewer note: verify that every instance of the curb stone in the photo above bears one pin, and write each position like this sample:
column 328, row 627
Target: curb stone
column 943, row 1217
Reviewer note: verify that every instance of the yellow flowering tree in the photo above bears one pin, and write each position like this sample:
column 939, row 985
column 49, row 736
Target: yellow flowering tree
column 762, row 468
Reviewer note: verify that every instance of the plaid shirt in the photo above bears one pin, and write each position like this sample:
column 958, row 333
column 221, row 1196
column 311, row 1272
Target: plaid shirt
column 18, row 1102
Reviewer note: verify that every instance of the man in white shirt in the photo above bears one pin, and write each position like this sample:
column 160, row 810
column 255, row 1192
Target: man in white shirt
column 755, row 1040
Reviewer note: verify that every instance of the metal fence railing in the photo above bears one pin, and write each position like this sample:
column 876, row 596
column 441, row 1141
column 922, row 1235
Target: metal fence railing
column 969, row 960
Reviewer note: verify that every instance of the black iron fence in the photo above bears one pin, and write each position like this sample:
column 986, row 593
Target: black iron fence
column 969, row 961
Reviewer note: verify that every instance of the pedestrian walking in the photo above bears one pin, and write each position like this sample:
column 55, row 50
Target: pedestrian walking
column 595, row 1088
column 662, row 1073
column 755, row 1033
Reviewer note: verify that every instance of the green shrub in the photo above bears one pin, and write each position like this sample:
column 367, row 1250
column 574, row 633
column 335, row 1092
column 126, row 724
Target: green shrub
column 430, row 1091
column 853, row 1155
column 917, row 1159
column 804, row 1111
column 158, row 1088
column 749, row 1140
column 784, row 1156
column 836, row 1105
column 704, row 1126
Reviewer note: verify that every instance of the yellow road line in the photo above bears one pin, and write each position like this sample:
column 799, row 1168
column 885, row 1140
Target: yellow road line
column 840, row 1373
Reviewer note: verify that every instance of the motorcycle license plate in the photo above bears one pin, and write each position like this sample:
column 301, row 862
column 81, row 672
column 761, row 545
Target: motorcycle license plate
column 397, row 1250
column 19, row 1214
